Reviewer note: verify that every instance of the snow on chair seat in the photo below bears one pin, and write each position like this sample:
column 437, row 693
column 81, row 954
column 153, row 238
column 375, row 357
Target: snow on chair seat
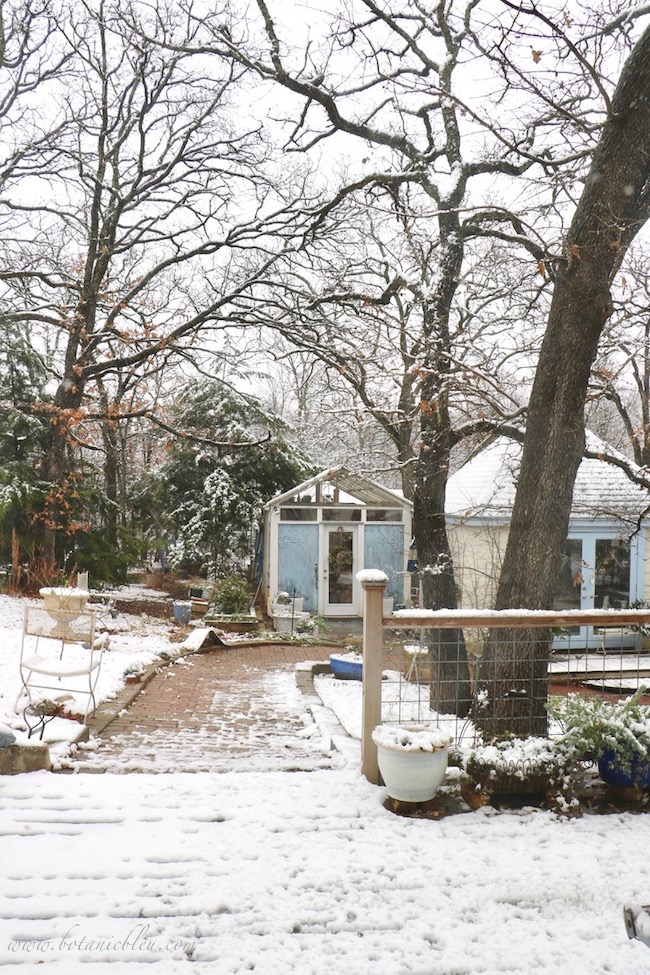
column 61, row 668
column 62, row 658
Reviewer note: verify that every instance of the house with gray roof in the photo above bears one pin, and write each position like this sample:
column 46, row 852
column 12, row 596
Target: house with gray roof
column 319, row 534
column 604, row 562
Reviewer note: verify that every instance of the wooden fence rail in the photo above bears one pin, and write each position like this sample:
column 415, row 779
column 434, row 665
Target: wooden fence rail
column 374, row 623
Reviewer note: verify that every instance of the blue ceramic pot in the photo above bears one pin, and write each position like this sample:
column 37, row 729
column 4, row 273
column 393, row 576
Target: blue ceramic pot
column 612, row 774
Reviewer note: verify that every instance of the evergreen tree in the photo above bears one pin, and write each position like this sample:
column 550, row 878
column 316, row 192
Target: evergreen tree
column 227, row 457
column 22, row 431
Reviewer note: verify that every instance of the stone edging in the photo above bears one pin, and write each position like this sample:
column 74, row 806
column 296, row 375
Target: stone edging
column 333, row 731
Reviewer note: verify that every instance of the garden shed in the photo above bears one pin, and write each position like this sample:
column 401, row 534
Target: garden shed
column 318, row 535
column 604, row 562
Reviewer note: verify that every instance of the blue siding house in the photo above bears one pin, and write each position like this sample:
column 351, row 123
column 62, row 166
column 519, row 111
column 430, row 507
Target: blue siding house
column 318, row 535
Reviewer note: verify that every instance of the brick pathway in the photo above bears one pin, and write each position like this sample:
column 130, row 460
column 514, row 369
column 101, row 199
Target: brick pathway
column 234, row 709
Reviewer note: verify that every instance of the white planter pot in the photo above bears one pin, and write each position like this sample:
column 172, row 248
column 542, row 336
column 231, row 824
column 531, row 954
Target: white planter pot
column 284, row 609
column 389, row 603
column 412, row 776
column 282, row 624
column 65, row 601
column 285, row 623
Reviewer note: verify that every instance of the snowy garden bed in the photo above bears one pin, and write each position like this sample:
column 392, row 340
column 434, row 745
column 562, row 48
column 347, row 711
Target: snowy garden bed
column 135, row 642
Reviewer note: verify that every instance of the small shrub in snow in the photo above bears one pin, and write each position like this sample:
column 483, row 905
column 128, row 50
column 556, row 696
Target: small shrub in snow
column 521, row 758
column 311, row 625
column 535, row 768
column 594, row 727
column 232, row 596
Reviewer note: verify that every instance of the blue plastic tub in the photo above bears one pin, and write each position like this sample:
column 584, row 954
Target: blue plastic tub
column 346, row 668
column 182, row 612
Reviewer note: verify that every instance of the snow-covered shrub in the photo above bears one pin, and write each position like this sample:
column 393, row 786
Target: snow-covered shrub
column 208, row 495
column 519, row 758
column 594, row 727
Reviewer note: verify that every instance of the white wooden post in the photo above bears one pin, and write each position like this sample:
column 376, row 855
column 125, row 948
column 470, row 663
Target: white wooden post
column 373, row 637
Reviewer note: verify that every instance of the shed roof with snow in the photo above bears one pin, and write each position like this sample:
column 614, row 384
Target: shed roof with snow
column 356, row 486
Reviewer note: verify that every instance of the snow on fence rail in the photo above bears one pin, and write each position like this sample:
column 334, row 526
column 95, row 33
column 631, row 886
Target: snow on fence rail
column 551, row 652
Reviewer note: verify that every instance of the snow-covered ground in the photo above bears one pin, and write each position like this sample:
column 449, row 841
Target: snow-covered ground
column 276, row 873
column 302, row 872
column 134, row 641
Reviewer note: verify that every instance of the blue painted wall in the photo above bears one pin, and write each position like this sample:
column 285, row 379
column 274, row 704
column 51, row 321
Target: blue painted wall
column 297, row 558
column 384, row 549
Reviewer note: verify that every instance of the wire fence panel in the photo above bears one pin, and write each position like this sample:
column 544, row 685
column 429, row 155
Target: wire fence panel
column 485, row 675
column 414, row 685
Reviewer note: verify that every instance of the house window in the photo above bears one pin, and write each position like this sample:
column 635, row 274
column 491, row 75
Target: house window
column 383, row 514
column 298, row 514
column 341, row 514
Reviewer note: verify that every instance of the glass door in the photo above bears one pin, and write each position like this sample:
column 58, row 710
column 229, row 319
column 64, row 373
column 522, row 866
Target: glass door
column 598, row 572
column 612, row 588
column 339, row 570
column 570, row 592
column 612, row 573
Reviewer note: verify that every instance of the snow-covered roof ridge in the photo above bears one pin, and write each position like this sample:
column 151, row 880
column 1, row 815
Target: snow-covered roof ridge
column 596, row 444
column 486, row 485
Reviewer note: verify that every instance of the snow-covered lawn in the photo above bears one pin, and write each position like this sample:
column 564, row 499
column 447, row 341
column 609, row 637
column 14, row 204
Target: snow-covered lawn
column 134, row 641
column 306, row 873
column 298, row 872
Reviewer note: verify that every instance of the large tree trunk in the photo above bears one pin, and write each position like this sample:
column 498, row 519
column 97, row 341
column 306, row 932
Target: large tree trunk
column 57, row 469
column 57, row 466
column 110, row 440
column 613, row 207
column 405, row 459
column 450, row 687
column 111, row 481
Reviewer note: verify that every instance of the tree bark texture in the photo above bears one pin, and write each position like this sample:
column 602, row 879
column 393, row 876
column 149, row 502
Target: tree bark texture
column 450, row 687
column 613, row 207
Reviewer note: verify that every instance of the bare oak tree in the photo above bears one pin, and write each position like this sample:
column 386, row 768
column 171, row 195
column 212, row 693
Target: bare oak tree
column 613, row 207
column 150, row 223
column 618, row 400
column 394, row 79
